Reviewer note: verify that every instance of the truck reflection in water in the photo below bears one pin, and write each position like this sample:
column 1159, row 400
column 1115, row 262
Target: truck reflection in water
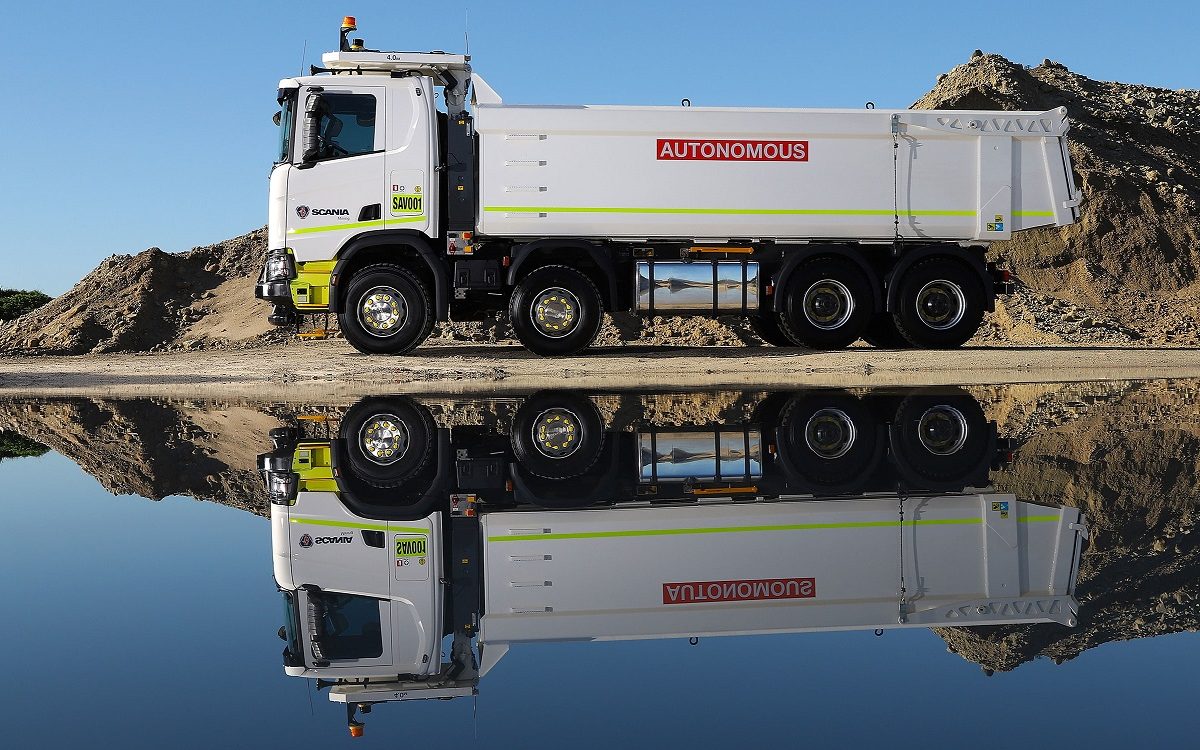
column 822, row 510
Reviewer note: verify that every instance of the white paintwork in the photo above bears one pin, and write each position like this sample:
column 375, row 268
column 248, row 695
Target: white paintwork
column 410, row 609
column 964, row 563
column 547, row 171
column 611, row 588
column 605, row 157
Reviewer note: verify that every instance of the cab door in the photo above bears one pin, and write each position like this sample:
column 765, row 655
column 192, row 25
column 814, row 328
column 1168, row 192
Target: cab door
column 417, row 592
column 411, row 157
column 334, row 193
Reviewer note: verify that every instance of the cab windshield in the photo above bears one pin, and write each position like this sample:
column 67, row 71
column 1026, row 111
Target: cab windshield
column 285, row 118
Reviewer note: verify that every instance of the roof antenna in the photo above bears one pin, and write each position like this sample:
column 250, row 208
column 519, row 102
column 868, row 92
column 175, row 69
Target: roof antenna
column 466, row 34
column 303, row 54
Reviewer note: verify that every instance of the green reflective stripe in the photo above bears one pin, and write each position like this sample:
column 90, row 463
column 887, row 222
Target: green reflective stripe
column 357, row 225
column 720, row 211
column 409, row 529
column 742, row 529
column 732, row 529
column 340, row 524
column 1033, row 213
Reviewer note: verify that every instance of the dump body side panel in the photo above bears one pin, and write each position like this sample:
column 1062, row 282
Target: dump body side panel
column 806, row 565
column 658, row 172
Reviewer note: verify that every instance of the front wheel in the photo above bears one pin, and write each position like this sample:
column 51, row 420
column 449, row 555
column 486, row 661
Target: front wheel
column 387, row 440
column 387, row 310
column 555, row 310
column 827, row 304
column 939, row 304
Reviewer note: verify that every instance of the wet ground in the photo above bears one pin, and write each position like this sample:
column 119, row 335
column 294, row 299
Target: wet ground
column 838, row 566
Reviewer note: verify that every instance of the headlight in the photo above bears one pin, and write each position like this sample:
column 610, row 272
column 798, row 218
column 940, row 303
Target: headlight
column 279, row 266
column 282, row 486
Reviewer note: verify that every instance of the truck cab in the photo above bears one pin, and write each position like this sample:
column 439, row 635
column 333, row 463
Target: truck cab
column 376, row 578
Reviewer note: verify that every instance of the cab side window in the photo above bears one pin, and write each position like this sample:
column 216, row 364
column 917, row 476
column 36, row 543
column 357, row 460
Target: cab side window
column 347, row 125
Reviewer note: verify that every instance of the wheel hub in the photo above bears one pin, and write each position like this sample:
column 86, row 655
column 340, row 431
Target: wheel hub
column 382, row 311
column 384, row 439
column 556, row 433
column 830, row 433
column 941, row 304
column 555, row 312
column 828, row 304
column 942, row 430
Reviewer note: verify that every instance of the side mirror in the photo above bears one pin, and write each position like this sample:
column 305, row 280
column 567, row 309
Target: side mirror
column 310, row 134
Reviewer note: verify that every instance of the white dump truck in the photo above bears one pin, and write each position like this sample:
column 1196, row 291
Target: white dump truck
column 393, row 209
column 695, row 530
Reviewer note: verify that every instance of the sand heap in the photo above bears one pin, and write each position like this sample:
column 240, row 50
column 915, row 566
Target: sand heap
column 152, row 301
column 1127, row 273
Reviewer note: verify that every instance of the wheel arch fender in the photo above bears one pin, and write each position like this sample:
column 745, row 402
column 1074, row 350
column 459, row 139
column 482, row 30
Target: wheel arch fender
column 364, row 243
column 525, row 257
column 975, row 261
column 793, row 258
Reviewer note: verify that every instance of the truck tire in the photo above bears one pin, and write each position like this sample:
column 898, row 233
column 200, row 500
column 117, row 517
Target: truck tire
column 387, row 310
column 939, row 304
column 766, row 326
column 942, row 440
column 557, row 434
column 387, row 440
column 828, row 442
column 555, row 310
column 881, row 333
column 827, row 304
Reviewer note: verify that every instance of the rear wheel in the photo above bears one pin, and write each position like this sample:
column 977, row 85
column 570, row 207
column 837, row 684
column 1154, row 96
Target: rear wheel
column 939, row 304
column 943, row 440
column 766, row 326
column 387, row 310
column 828, row 441
column 828, row 303
column 556, row 310
column 881, row 333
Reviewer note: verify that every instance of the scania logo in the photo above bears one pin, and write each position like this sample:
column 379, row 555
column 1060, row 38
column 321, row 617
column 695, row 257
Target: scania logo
column 330, row 212
column 306, row 541
column 302, row 211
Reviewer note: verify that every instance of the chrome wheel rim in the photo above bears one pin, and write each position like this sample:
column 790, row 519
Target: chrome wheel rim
column 555, row 312
column 830, row 433
column 382, row 311
column 384, row 439
column 828, row 304
column 941, row 304
column 942, row 430
column 556, row 433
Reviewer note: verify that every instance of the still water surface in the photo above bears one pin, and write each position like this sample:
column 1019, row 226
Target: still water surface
column 700, row 569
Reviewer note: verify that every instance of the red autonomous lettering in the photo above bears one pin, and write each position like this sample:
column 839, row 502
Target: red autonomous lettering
column 739, row 591
column 686, row 149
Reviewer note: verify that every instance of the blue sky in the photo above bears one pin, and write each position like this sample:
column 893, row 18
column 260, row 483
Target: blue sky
column 143, row 124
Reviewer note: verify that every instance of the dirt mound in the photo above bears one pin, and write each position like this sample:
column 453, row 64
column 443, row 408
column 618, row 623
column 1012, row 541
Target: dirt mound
column 151, row 301
column 1134, row 256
